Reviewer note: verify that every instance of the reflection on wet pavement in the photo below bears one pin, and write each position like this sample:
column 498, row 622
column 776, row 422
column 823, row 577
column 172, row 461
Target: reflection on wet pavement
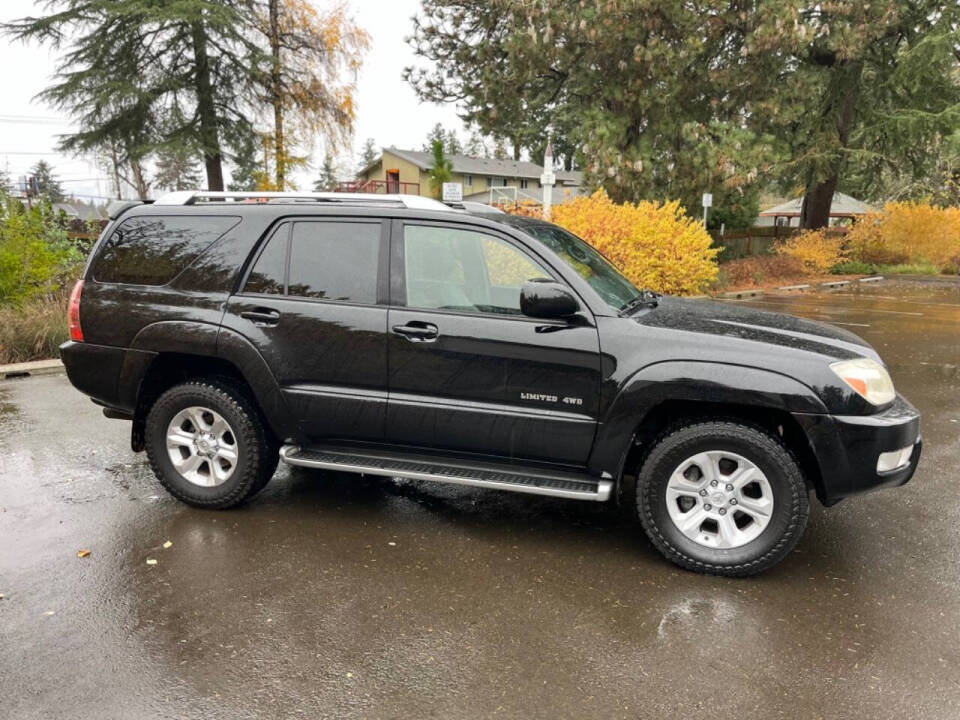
column 338, row 596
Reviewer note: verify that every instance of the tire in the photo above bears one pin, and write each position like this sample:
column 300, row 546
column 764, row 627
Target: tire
column 235, row 479
column 764, row 515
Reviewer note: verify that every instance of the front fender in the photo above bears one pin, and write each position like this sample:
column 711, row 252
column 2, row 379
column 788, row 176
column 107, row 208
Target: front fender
column 707, row 382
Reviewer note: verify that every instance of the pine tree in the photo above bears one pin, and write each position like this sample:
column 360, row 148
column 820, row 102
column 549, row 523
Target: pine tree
column 668, row 100
column 327, row 182
column 47, row 184
column 6, row 181
column 442, row 170
column 436, row 134
column 177, row 169
column 246, row 149
column 369, row 154
column 853, row 92
column 452, row 145
column 127, row 60
column 475, row 147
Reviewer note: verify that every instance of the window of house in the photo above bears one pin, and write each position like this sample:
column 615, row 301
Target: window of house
column 524, row 183
column 468, row 180
column 462, row 270
column 496, row 182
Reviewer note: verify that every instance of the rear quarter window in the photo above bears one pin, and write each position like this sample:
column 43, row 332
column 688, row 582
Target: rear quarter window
column 153, row 250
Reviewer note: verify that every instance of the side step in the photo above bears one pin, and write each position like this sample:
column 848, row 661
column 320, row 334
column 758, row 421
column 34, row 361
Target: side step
column 535, row 482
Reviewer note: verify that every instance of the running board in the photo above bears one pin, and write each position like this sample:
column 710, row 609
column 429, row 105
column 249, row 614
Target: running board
column 535, row 482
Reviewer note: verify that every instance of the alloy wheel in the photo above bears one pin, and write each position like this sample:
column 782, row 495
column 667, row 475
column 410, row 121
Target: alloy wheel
column 719, row 499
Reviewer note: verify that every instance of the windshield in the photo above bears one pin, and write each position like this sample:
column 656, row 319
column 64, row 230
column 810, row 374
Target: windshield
column 614, row 288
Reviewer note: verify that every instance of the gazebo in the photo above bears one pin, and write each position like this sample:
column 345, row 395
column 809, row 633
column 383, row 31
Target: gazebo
column 788, row 214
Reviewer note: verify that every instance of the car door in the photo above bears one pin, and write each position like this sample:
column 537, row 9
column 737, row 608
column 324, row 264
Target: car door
column 314, row 304
column 468, row 372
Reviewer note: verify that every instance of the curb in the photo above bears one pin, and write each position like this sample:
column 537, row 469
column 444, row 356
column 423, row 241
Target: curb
column 30, row 369
column 740, row 294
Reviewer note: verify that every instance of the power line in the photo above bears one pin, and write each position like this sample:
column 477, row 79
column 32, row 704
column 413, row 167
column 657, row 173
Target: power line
column 31, row 117
column 26, row 152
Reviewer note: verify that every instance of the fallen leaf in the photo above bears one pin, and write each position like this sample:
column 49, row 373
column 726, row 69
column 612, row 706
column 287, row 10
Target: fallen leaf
column 391, row 543
column 151, row 561
column 1, row 596
column 50, row 612
column 83, row 553
column 167, row 544
column 349, row 674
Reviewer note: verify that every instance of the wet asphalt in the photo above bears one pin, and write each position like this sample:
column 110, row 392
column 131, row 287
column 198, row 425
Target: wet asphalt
column 337, row 596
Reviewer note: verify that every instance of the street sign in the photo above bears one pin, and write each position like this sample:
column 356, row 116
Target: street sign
column 708, row 200
column 453, row 192
column 548, row 178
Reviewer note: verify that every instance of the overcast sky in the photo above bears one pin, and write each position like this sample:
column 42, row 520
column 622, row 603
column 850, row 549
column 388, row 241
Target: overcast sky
column 388, row 109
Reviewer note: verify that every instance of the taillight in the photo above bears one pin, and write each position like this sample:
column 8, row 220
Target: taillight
column 73, row 313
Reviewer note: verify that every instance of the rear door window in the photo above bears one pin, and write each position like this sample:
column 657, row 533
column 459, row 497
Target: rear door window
column 153, row 250
column 269, row 273
column 335, row 261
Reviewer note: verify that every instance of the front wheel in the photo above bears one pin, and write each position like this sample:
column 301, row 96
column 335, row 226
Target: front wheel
column 722, row 498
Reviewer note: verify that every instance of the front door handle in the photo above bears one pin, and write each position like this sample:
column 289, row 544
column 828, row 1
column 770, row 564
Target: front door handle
column 417, row 331
column 261, row 316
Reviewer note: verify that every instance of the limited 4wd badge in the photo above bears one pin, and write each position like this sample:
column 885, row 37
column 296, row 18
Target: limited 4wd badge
column 539, row 397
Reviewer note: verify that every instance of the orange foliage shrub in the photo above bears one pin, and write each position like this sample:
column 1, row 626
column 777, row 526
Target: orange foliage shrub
column 905, row 232
column 656, row 245
column 816, row 251
column 760, row 269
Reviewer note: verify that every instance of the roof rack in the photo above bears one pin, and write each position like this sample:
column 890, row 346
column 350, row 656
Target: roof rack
column 191, row 197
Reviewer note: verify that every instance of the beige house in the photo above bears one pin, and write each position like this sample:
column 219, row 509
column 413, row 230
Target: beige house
column 408, row 172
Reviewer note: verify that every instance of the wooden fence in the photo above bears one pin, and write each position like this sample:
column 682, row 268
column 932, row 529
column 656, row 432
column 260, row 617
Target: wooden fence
column 754, row 241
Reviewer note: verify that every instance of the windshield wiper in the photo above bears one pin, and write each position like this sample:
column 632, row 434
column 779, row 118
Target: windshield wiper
column 646, row 299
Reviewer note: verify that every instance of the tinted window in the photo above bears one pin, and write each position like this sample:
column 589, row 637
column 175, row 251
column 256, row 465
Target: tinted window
column 271, row 268
column 335, row 261
column 614, row 288
column 449, row 269
column 153, row 250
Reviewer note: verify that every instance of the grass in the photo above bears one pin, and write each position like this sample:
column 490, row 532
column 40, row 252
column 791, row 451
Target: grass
column 856, row 267
column 34, row 329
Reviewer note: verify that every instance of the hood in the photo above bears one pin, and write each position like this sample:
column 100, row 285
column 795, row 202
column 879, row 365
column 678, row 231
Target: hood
column 746, row 323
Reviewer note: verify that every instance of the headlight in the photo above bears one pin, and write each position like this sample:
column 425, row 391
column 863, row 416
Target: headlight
column 868, row 378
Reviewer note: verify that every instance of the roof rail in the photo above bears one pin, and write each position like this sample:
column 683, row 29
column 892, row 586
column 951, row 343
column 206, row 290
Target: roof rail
column 191, row 197
column 116, row 208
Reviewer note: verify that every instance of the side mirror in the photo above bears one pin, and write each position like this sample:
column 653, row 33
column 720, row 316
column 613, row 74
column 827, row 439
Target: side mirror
column 547, row 299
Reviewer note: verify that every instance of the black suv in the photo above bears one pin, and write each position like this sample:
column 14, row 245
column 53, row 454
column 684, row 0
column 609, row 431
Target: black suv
column 393, row 335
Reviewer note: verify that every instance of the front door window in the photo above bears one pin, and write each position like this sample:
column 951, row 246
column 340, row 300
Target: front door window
column 463, row 270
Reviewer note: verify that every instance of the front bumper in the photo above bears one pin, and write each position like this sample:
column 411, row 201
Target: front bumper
column 847, row 448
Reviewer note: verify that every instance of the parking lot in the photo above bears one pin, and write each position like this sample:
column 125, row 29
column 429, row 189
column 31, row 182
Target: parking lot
column 337, row 596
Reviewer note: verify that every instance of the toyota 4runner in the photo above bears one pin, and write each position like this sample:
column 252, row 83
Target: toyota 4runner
column 396, row 336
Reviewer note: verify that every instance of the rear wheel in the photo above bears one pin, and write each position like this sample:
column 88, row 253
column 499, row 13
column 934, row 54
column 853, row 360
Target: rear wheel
column 722, row 498
column 208, row 445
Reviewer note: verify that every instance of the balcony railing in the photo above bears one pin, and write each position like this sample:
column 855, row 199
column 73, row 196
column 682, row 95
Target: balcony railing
column 381, row 187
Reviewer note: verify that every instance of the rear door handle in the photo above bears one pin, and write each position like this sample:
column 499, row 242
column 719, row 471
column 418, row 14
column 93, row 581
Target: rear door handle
column 261, row 316
column 417, row 331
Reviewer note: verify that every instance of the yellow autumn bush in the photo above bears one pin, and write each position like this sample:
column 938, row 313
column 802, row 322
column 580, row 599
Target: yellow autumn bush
column 817, row 250
column 656, row 245
column 908, row 232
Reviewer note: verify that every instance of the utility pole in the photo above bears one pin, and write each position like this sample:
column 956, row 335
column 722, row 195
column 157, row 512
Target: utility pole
column 548, row 179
